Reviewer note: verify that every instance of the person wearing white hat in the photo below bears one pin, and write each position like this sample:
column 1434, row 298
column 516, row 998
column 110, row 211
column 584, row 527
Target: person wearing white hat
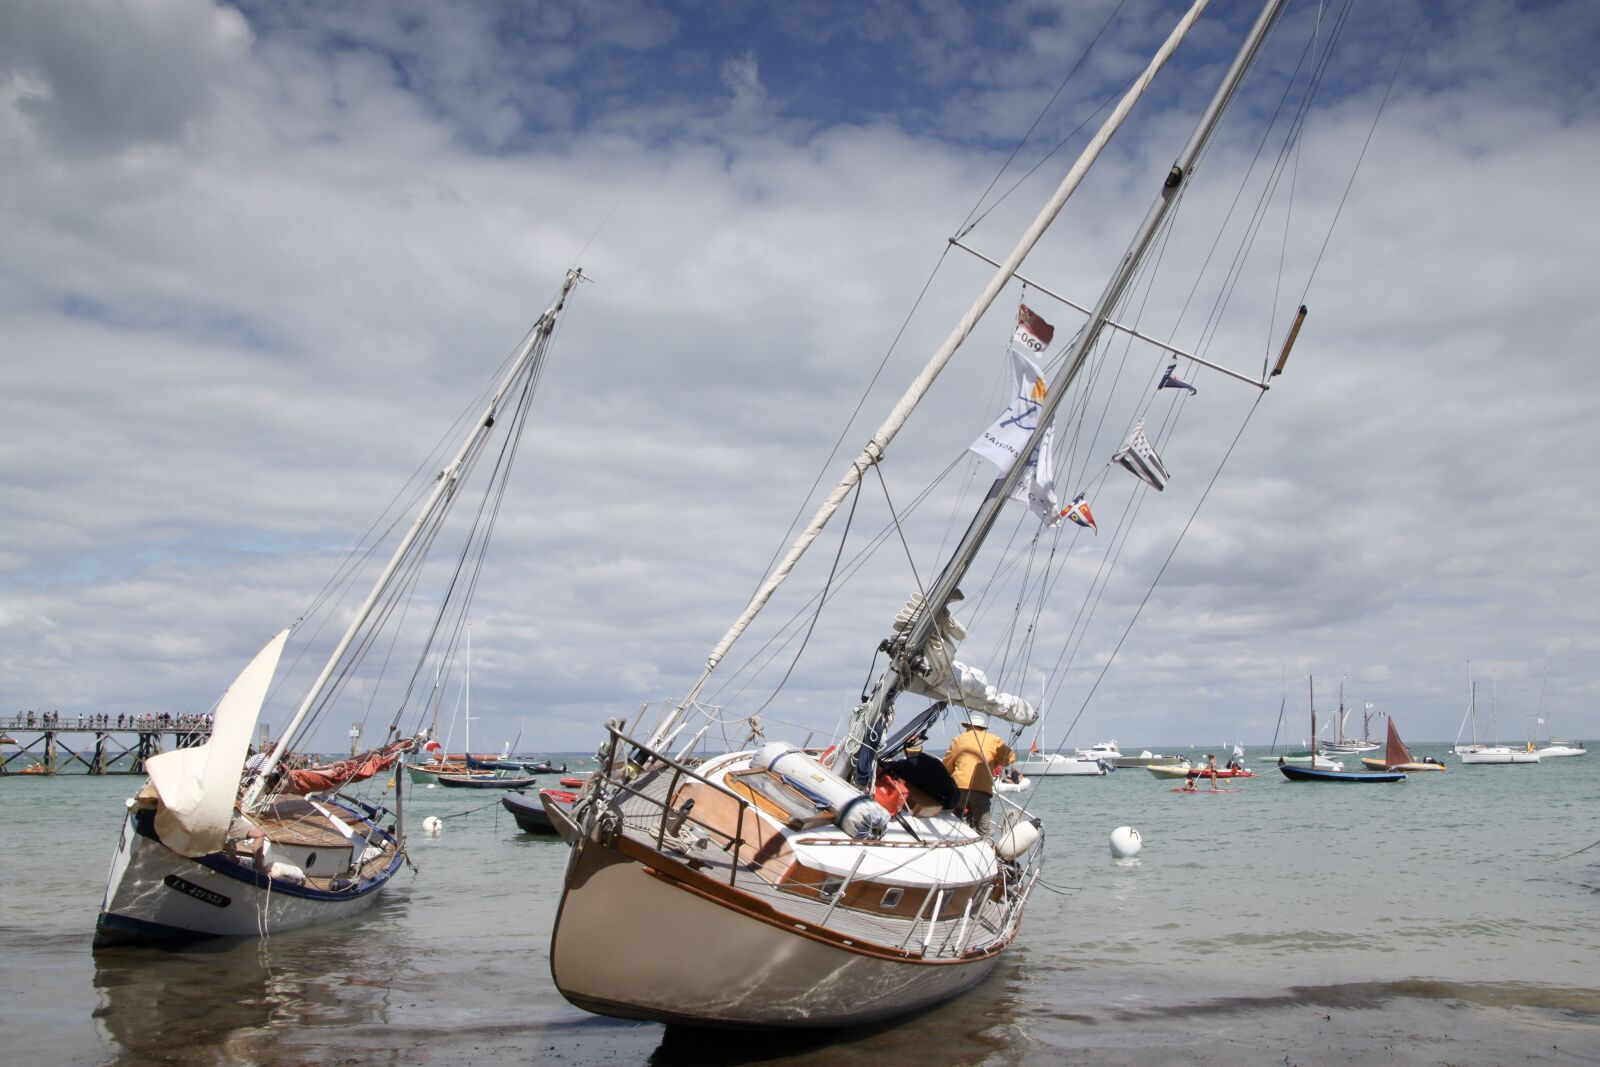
column 972, row 760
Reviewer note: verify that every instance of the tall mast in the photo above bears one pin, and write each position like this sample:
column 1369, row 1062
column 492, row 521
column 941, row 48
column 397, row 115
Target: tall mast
column 901, row 666
column 878, row 445
column 443, row 493
column 989, row 511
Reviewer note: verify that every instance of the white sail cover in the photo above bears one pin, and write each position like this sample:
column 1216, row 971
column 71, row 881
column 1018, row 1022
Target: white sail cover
column 948, row 679
column 198, row 785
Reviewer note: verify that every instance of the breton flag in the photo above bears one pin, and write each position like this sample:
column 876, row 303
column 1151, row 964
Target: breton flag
column 1078, row 511
column 1004, row 441
column 1170, row 381
column 1139, row 457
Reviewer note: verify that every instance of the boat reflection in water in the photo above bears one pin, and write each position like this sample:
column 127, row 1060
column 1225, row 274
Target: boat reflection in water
column 236, row 1001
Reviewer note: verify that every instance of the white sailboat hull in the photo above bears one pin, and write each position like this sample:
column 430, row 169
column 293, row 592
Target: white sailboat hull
column 637, row 944
column 1495, row 754
column 1562, row 749
column 155, row 895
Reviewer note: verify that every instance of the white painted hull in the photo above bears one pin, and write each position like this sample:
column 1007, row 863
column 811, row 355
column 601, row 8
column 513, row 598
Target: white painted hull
column 637, row 945
column 1495, row 754
column 1057, row 766
column 1550, row 751
column 155, row 895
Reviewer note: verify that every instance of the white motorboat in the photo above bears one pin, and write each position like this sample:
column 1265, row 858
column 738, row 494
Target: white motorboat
column 1054, row 764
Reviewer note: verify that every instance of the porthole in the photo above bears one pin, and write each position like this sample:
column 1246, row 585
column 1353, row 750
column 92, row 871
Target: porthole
column 891, row 897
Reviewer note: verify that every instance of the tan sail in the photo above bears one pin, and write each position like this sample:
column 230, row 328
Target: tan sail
column 1395, row 753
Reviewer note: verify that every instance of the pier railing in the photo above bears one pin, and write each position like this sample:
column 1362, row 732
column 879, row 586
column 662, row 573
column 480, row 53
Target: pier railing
column 49, row 743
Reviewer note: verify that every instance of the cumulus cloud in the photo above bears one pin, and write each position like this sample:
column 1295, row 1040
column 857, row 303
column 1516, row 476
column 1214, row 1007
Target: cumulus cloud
column 258, row 259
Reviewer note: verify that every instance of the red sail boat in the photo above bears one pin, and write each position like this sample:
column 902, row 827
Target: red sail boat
column 1396, row 757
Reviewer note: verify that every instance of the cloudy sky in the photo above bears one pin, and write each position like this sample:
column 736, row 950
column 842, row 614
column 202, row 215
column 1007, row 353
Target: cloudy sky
column 257, row 258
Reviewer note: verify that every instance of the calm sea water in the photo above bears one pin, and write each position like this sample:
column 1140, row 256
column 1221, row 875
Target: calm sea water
column 1440, row 920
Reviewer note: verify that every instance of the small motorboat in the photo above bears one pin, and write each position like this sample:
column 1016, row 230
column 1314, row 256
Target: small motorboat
column 1054, row 764
column 491, row 780
column 531, row 812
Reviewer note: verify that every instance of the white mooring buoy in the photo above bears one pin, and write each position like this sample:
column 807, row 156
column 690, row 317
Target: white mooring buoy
column 433, row 826
column 1125, row 842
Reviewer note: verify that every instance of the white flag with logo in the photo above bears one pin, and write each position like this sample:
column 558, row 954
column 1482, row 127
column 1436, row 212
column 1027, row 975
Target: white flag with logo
column 1004, row 441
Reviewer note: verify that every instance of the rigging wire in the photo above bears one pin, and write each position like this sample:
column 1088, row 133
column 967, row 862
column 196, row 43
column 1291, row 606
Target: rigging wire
column 973, row 217
column 822, row 599
column 1383, row 103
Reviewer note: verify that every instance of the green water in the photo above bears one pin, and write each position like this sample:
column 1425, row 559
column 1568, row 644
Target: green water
column 1439, row 920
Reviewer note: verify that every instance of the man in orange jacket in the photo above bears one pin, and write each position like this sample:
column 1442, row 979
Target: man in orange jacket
column 971, row 759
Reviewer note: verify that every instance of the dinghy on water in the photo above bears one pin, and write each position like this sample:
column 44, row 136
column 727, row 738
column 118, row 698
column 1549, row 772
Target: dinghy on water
column 531, row 810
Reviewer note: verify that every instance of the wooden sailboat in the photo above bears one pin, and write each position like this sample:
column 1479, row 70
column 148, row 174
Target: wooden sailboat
column 1396, row 757
column 770, row 886
column 1345, row 745
column 214, row 845
column 1321, row 770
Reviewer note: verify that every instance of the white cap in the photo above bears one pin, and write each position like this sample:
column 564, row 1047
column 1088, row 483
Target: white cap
column 978, row 719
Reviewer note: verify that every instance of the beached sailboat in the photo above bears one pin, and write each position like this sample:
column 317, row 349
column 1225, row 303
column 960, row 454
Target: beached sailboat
column 218, row 845
column 1396, row 757
column 784, row 886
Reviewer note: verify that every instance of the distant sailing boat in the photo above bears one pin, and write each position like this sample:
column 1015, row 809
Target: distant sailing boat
column 474, row 776
column 1396, row 757
column 1552, row 747
column 215, row 846
column 776, row 885
column 1477, row 754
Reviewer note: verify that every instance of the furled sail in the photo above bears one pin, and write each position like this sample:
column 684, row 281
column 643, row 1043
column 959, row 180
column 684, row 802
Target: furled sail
column 322, row 779
column 198, row 785
column 948, row 679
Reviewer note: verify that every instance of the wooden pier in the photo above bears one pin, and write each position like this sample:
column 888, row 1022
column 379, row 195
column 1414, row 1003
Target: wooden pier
column 50, row 743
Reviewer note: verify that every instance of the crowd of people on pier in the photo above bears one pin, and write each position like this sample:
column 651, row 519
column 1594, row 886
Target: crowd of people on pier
column 53, row 720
